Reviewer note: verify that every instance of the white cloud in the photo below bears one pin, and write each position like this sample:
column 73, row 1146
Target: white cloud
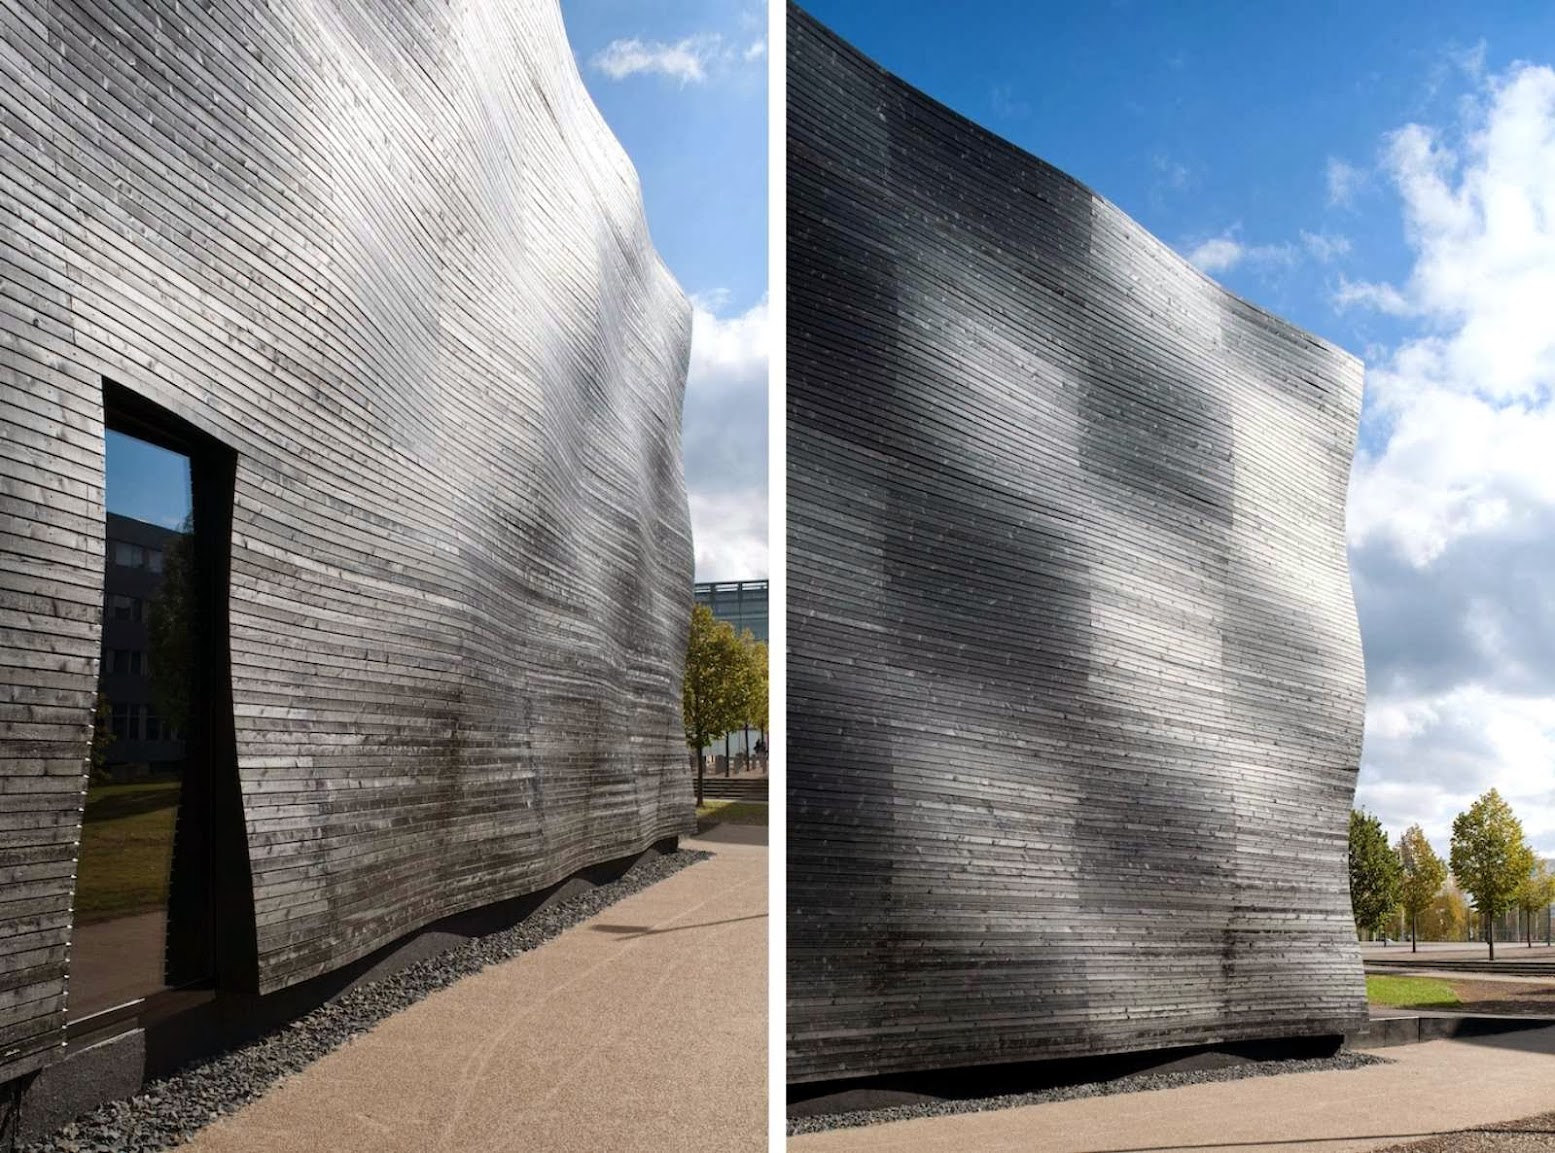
column 1452, row 511
column 1325, row 247
column 725, row 439
column 1344, row 181
column 1217, row 255
column 1171, row 174
column 1364, row 294
column 1471, row 60
column 1453, row 62
column 1225, row 252
column 686, row 60
column 692, row 60
column 730, row 530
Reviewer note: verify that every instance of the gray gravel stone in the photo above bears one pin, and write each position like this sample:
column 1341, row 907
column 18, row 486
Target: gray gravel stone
column 169, row 1112
column 1135, row 1084
column 1526, row 1135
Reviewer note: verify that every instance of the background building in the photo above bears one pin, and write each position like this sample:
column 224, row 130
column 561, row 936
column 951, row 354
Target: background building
column 744, row 605
column 136, row 560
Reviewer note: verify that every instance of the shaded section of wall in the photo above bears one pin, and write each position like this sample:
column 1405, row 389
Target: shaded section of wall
column 1075, row 691
column 392, row 257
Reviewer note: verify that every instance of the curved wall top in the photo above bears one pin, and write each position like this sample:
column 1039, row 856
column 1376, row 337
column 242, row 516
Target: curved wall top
column 1075, row 683
column 391, row 256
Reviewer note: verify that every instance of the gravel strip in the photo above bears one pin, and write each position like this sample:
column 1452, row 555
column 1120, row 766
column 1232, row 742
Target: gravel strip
column 168, row 1112
column 1134, row 1084
column 1528, row 1135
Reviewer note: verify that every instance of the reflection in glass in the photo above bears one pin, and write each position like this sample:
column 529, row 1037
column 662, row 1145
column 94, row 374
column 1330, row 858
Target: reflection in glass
column 137, row 770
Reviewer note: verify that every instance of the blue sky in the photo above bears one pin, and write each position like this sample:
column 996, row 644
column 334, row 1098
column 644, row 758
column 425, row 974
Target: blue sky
column 1210, row 119
column 1384, row 175
column 146, row 482
column 683, row 85
column 698, row 141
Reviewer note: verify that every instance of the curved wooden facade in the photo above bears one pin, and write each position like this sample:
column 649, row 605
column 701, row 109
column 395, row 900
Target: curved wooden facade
column 389, row 258
column 1075, row 684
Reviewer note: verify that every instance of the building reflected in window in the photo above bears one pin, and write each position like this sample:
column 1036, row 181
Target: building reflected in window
column 119, row 946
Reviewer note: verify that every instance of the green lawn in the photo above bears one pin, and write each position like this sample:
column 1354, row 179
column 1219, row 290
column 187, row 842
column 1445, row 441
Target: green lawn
column 1410, row 992
column 730, row 813
column 126, row 850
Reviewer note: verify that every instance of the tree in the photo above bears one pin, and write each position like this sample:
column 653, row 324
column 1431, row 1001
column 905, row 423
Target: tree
column 1490, row 858
column 714, row 697
column 1447, row 917
column 1374, row 873
column 102, row 739
column 1423, row 875
column 755, row 687
column 170, row 632
column 759, row 688
column 1535, row 894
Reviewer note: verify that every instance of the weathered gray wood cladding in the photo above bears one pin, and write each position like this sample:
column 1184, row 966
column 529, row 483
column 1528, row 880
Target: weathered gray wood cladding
column 393, row 257
column 1075, row 686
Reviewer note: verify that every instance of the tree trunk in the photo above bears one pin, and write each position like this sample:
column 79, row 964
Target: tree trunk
column 1414, row 931
column 728, row 760
column 698, row 755
column 1490, row 935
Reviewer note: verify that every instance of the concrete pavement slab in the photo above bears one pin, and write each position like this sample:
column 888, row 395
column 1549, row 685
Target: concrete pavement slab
column 642, row 1028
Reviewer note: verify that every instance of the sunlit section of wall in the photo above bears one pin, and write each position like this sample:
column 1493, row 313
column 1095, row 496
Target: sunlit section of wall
column 1075, row 684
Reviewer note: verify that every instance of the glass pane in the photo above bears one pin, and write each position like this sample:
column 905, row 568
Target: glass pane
column 118, row 948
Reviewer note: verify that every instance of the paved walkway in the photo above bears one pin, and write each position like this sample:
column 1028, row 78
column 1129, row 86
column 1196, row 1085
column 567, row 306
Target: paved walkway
column 1437, row 1086
column 1474, row 978
column 1507, row 952
column 641, row 1029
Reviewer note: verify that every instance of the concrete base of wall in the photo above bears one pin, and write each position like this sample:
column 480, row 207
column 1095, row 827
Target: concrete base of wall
column 176, row 1028
column 842, row 1096
column 1411, row 1029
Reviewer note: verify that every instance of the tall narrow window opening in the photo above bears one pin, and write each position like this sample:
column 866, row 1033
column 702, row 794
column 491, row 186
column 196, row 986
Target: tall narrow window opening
column 162, row 874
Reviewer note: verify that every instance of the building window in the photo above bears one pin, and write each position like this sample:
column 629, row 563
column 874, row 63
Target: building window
column 127, row 555
column 125, row 722
column 124, row 608
column 128, row 662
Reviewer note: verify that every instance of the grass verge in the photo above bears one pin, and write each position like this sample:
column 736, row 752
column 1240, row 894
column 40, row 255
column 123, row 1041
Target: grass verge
column 711, row 813
column 126, row 850
column 1411, row 992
